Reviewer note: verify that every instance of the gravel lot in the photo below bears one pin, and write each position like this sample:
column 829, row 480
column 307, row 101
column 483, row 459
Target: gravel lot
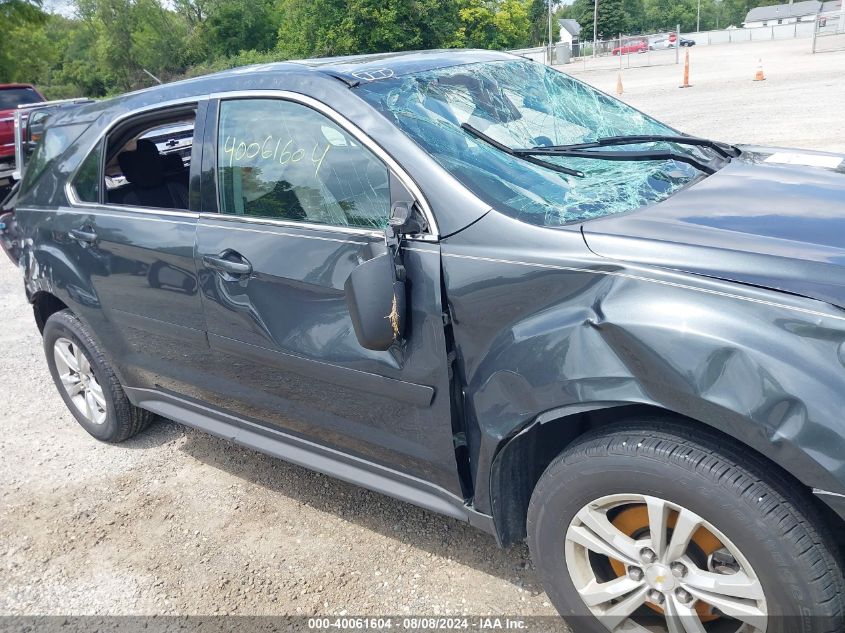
column 799, row 104
column 178, row 522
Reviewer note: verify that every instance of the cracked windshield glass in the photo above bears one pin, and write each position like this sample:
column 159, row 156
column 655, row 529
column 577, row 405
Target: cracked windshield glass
column 522, row 104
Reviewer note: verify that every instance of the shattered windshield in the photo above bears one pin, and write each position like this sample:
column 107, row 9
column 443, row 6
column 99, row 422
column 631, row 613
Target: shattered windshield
column 522, row 104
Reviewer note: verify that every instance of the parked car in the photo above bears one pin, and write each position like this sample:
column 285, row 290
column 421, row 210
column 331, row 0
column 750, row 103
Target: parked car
column 687, row 42
column 659, row 42
column 635, row 46
column 11, row 96
column 476, row 284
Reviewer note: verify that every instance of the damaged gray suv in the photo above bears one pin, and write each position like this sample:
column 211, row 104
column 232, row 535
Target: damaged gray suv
column 476, row 284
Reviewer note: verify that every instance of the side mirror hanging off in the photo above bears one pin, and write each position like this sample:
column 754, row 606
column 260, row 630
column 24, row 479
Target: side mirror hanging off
column 375, row 290
column 376, row 301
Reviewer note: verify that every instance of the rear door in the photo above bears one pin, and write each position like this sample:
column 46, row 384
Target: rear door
column 133, row 233
column 302, row 197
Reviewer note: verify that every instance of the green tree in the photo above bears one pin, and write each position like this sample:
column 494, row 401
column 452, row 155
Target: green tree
column 496, row 24
column 512, row 25
column 477, row 25
column 233, row 26
column 342, row 27
column 538, row 18
column 635, row 15
column 16, row 15
column 665, row 15
column 157, row 38
column 612, row 19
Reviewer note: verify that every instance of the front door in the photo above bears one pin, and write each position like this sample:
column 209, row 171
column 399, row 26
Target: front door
column 301, row 200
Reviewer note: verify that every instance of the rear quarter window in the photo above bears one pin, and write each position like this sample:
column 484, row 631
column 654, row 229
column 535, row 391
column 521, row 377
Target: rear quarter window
column 55, row 142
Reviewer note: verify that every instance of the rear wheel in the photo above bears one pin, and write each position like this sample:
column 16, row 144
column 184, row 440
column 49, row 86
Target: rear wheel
column 87, row 383
column 655, row 527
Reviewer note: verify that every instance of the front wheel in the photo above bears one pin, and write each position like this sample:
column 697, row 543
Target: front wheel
column 656, row 527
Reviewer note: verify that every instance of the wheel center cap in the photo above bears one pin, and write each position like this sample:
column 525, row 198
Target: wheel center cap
column 660, row 577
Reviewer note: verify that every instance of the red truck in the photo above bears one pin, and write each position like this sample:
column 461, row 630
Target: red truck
column 11, row 96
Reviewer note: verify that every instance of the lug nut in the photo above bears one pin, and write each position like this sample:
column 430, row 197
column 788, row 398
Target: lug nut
column 655, row 596
column 647, row 555
column 678, row 569
column 635, row 573
column 683, row 595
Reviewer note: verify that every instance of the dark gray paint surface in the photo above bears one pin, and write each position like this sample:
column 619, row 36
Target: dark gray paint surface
column 718, row 304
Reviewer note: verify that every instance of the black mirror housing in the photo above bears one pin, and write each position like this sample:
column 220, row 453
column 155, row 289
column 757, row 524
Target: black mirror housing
column 376, row 300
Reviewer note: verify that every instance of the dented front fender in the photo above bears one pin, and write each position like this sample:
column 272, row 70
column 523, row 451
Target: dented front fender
column 541, row 324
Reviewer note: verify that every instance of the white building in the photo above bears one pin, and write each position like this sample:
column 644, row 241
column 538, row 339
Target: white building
column 804, row 11
column 570, row 30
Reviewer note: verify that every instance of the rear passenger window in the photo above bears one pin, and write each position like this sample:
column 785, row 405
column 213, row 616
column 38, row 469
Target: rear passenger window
column 147, row 161
column 87, row 181
column 283, row 160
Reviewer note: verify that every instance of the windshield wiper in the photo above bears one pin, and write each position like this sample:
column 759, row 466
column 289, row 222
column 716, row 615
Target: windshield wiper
column 524, row 154
column 722, row 149
column 583, row 151
column 651, row 154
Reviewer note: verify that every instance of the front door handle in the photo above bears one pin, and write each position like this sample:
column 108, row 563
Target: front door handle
column 83, row 235
column 238, row 265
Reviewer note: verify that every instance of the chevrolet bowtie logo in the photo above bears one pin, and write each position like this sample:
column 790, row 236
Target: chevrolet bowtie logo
column 373, row 75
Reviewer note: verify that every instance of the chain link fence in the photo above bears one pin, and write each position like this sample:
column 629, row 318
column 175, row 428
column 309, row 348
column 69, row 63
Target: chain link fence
column 829, row 32
column 625, row 51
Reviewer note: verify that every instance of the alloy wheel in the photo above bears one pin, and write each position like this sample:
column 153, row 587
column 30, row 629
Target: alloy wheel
column 79, row 382
column 676, row 573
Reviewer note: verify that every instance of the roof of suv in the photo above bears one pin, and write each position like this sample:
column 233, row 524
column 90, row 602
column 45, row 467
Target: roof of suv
column 356, row 68
column 351, row 70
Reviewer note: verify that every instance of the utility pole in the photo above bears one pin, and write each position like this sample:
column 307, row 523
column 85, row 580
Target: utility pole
column 550, row 32
column 698, row 19
column 595, row 26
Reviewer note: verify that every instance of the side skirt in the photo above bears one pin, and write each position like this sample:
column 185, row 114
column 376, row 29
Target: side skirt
column 309, row 455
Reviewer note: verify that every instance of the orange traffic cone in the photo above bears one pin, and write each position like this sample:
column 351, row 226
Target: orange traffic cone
column 686, row 83
column 759, row 76
column 619, row 84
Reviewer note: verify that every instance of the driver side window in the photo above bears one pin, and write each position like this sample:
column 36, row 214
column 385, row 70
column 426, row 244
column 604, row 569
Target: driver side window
column 283, row 160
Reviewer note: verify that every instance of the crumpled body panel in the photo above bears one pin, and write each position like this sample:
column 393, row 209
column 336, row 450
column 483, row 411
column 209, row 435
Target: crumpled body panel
column 553, row 326
column 768, row 224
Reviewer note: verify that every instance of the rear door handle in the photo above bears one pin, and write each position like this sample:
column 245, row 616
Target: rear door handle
column 83, row 235
column 238, row 266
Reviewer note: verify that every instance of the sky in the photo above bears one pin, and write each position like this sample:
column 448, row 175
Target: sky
column 62, row 7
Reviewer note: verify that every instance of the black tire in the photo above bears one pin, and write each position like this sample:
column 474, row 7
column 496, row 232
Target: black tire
column 123, row 419
column 767, row 516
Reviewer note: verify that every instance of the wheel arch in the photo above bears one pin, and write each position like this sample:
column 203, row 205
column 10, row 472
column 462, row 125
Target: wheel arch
column 44, row 305
column 521, row 459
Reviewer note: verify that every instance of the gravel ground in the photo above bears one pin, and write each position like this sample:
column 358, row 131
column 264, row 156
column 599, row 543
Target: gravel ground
column 798, row 105
column 175, row 521
column 178, row 522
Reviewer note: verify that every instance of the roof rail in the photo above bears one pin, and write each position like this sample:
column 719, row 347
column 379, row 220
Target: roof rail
column 41, row 104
